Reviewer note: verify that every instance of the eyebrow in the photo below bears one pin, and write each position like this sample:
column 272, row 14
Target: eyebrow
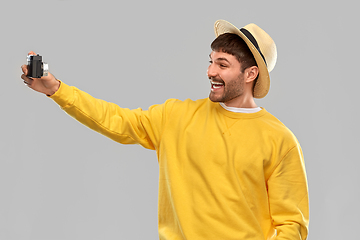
column 219, row 59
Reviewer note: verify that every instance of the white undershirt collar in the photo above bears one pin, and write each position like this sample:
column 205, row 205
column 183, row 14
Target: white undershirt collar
column 240, row 110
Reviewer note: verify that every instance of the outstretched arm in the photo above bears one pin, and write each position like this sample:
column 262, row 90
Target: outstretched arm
column 120, row 124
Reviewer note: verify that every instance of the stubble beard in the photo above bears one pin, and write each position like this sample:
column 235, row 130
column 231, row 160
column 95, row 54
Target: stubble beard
column 231, row 90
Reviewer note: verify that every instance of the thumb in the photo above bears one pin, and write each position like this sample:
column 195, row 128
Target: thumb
column 31, row 53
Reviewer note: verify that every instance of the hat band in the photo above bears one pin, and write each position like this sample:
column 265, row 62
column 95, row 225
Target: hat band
column 253, row 41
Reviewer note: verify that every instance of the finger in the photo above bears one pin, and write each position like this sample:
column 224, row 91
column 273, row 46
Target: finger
column 31, row 53
column 28, row 82
column 27, row 79
column 24, row 69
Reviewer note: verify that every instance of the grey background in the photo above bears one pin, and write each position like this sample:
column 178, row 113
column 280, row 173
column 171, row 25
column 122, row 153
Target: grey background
column 59, row 180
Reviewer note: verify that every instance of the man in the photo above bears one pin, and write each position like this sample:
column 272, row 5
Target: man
column 228, row 168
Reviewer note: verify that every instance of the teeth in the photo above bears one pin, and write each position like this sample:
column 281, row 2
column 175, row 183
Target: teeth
column 216, row 83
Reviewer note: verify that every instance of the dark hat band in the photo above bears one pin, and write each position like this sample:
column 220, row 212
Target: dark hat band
column 253, row 41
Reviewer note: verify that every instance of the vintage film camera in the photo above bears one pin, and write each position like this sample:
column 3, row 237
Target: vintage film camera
column 36, row 67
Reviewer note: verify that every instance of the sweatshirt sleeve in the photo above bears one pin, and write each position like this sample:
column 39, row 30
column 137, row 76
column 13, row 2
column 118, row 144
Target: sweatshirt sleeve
column 288, row 197
column 119, row 124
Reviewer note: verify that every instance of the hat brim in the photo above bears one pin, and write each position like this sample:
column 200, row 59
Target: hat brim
column 262, row 86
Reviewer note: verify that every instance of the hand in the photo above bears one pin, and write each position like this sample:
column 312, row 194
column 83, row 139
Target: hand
column 47, row 84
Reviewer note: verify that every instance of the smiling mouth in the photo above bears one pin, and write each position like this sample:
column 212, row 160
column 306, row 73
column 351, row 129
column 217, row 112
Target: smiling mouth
column 216, row 85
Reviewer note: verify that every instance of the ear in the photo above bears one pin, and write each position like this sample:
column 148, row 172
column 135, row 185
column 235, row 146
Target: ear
column 251, row 74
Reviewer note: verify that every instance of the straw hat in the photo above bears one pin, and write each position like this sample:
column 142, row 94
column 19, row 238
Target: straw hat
column 262, row 47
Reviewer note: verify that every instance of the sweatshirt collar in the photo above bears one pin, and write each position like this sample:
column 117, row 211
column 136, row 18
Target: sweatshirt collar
column 231, row 114
column 240, row 110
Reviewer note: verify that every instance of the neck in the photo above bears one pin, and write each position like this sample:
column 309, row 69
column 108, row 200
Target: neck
column 243, row 101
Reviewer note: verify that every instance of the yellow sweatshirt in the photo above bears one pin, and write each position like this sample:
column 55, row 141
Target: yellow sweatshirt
column 223, row 175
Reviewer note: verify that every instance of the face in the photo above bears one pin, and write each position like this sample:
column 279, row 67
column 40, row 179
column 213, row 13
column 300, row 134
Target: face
column 226, row 78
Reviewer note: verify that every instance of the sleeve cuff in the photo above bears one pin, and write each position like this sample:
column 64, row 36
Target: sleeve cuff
column 64, row 96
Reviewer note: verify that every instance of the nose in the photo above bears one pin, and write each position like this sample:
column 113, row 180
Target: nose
column 211, row 71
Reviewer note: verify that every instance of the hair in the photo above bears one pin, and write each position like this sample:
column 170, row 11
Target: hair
column 233, row 44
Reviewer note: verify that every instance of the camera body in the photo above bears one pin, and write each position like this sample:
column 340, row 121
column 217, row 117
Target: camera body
column 36, row 67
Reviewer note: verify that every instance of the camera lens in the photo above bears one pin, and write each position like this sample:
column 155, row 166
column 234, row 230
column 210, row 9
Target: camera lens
column 45, row 69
